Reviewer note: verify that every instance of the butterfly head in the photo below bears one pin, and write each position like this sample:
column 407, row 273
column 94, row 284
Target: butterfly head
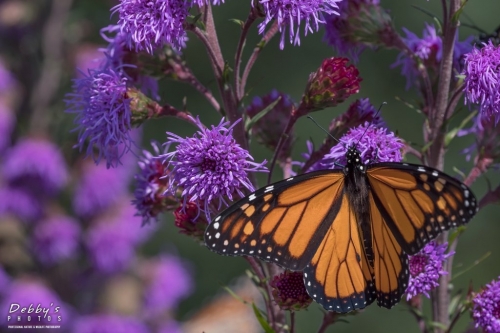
column 354, row 161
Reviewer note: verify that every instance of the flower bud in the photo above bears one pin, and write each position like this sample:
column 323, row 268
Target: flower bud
column 289, row 291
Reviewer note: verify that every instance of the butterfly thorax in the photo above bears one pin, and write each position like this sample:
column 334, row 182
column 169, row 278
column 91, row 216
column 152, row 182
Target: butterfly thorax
column 356, row 184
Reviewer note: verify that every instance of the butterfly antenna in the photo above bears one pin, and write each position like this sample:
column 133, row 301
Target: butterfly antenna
column 371, row 122
column 324, row 130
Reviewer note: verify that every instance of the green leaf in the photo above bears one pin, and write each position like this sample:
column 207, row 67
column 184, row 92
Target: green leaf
column 475, row 263
column 408, row 104
column 238, row 22
column 232, row 293
column 250, row 122
column 453, row 133
column 263, row 322
column 457, row 14
column 426, row 146
column 454, row 302
column 456, row 233
column 438, row 325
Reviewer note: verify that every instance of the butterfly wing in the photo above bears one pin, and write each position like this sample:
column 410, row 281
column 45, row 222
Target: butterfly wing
column 417, row 202
column 339, row 276
column 282, row 223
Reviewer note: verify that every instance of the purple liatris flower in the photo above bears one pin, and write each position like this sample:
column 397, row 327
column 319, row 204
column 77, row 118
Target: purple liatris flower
column 376, row 144
column 206, row 2
column 108, row 323
column 103, row 114
column 56, row 239
column 482, row 80
column 168, row 281
column 290, row 13
column 91, row 197
column 151, row 184
column 35, row 165
column 7, row 121
column 289, row 291
column 27, row 293
column 6, row 78
column 149, row 25
column 425, row 269
column 187, row 218
column 210, row 166
column 15, row 201
column 486, row 308
column 269, row 128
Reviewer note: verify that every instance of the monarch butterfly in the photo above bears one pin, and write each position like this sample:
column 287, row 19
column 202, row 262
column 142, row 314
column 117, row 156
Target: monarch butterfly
column 350, row 231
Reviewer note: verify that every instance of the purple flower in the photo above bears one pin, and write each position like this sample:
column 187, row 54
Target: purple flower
column 374, row 143
column 482, row 80
column 88, row 57
column 111, row 240
column 32, row 294
column 108, row 323
column 35, row 165
column 6, row 78
column 486, row 308
column 7, row 121
column 290, row 13
column 103, row 114
column 5, row 281
column 206, row 2
column 91, row 197
column 425, row 269
column 170, row 327
column 168, row 282
column 19, row 203
column 149, row 25
column 151, row 185
column 289, row 291
column 56, row 239
column 210, row 166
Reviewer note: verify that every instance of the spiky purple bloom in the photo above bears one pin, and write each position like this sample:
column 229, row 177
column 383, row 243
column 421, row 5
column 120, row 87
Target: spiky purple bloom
column 32, row 292
column 425, row 269
column 88, row 57
column 150, row 24
column 17, row 202
column 291, row 13
column 6, row 78
column 36, row 165
column 7, row 121
column 210, row 166
column 429, row 49
column 111, row 240
column 338, row 28
column 168, row 282
column 376, row 144
column 108, row 323
column 103, row 114
column 91, row 197
column 56, row 239
column 206, row 2
column 482, row 80
column 486, row 308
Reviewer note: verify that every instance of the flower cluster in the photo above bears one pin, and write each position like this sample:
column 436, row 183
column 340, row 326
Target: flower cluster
column 289, row 291
column 486, row 308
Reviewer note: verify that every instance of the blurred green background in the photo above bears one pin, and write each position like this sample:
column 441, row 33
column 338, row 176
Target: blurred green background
column 287, row 71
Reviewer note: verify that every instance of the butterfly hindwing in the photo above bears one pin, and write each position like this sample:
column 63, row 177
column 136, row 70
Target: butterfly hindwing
column 339, row 276
column 418, row 202
column 282, row 223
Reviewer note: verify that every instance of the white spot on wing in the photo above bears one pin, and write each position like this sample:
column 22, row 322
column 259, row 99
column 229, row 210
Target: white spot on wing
column 216, row 224
column 269, row 188
column 421, row 169
column 217, row 219
column 217, row 235
column 435, row 173
column 291, row 178
column 252, row 197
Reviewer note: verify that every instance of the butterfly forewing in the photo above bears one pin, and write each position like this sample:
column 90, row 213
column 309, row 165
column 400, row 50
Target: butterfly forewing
column 418, row 202
column 282, row 223
column 339, row 276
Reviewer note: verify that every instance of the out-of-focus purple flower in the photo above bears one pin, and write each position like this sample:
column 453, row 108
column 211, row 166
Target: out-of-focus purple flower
column 429, row 49
column 210, row 166
column 376, row 144
column 486, row 146
column 111, row 240
column 168, row 282
column 170, row 327
column 35, row 165
column 149, row 25
column 97, row 189
column 88, row 57
column 35, row 295
column 7, row 121
column 269, row 128
column 291, row 13
column 103, row 114
column 17, row 202
column 425, row 269
column 5, row 281
column 361, row 23
column 6, row 78
column 108, row 323
column 289, row 291
column 150, row 186
column 56, row 239
column 486, row 308
column 482, row 80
